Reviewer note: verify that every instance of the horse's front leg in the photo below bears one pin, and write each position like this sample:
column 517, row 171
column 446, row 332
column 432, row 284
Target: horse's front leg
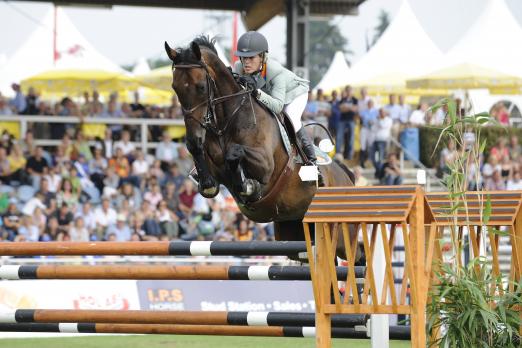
column 247, row 188
column 208, row 187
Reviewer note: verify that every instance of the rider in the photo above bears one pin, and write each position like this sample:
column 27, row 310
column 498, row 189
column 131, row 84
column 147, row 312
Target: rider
column 274, row 86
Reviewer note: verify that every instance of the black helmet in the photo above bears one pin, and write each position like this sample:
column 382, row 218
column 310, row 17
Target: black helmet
column 251, row 44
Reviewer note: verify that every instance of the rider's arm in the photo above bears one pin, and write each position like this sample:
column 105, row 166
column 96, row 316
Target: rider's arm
column 275, row 101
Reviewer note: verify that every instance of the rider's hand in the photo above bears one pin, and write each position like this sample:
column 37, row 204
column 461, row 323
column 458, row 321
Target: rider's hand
column 249, row 82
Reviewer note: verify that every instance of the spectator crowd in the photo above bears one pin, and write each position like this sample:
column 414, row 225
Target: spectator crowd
column 96, row 185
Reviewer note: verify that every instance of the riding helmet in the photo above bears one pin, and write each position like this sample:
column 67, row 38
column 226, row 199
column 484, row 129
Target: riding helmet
column 251, row 44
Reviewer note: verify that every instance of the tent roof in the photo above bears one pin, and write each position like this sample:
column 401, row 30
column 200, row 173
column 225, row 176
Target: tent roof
column 404, row 50
column 141, row 67
column 37, row 55
column 337, row 73
column 494, row 41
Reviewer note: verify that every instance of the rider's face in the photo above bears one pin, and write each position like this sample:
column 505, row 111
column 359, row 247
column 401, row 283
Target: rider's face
column 252, row 64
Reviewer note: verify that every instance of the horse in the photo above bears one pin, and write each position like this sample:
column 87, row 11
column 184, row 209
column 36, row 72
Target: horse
column 236, row 142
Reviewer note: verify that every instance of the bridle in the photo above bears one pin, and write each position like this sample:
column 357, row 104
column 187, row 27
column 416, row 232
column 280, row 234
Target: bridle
column 209, row 122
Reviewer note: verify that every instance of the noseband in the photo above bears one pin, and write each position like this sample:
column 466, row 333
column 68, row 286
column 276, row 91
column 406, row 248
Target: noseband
column 210, row 120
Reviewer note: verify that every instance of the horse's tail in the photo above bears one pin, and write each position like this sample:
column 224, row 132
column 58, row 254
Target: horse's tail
column 347, row 171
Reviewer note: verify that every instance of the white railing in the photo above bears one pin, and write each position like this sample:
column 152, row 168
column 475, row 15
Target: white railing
column 144, row 123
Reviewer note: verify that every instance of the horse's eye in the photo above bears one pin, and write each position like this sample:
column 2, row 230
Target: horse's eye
column 200, row 87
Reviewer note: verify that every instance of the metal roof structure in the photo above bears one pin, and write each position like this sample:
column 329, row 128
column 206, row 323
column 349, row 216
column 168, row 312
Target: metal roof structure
column 255, row 13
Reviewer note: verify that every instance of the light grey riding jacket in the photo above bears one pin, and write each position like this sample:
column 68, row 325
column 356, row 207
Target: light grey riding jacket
column 280, row 87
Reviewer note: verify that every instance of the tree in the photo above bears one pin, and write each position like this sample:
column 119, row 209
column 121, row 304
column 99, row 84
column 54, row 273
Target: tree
column 325, row 40
column 384, row 21
column 159, row 62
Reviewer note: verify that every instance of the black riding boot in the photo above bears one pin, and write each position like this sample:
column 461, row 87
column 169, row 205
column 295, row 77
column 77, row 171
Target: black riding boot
column 309, row 151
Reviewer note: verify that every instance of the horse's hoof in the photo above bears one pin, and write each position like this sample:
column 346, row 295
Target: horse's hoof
column 209, row 192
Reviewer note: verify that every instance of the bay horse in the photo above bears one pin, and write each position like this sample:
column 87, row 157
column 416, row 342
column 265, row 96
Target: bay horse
column 236, row 142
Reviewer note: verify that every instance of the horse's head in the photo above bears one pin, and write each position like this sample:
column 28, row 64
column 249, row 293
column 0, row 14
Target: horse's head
column 200, row 79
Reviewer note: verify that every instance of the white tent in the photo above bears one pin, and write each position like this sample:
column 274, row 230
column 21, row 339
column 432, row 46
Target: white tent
column 141, row 67
column 494, row 41
column 36, row 55
column 404, row 50
column 337, row 74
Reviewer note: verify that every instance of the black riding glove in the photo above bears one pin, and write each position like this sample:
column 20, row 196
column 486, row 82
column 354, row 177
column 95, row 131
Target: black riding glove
column 249, row 82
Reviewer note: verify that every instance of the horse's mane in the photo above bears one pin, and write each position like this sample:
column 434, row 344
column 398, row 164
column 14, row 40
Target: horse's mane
column 186, row 55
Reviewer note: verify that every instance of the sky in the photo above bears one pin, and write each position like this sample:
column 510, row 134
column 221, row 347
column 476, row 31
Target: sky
column 124, row 34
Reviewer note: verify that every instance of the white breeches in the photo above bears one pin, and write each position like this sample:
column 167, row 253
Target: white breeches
column 295, row 110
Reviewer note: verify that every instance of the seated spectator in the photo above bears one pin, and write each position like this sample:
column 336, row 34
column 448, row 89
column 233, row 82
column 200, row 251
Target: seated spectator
column 17, row 163
column 506, row 168
column 514, row 183
column 81, row 146
column 186, row 198
column 10, row 222
column 120, row 230
column 88, row 217
column 184, row 161
column 168, row 221
column 174, row 176
column 120, row 165
column 500, row 150
column 170, row 195
column 65, row 217
column 125, row 145
column 32, row 204
column 129, row 194
column 29, row 229
column 36, row 166
column 156, row 171
column 490, row 167
column 150, row 223
column 104, row 217
column 67, row 195
column 167, row 151
column 5, row 171
column 390, row 172
column 243, row 232
column 495, row 182
column 79, row 232
column 153, row 196
column 140, row 168
column 97, row 167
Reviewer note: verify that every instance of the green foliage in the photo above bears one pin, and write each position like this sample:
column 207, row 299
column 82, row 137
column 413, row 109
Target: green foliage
column 460, row 305
column 384, row 22
column 429, row 152
column 325, row 40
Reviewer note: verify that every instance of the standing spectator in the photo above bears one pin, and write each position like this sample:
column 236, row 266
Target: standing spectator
column 394, row 111
column 382, row 132
column 114, row 112
column 310, row 111
column 333, row 122
column 31, row 101
column 184, row 161
column 18, row 103
column 324, row 109
column 348, row 108
column 447, row 157
column 36, row 166
column 418, row 117
column 363, row 101
column 4, row 108
column 368, row 118
column 515, row 150
column 390, row 172
column 167, row 151
column 404, row 114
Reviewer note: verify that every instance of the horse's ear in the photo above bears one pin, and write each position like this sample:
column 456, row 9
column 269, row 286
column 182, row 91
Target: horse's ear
column 170, row 52
column 195, row 49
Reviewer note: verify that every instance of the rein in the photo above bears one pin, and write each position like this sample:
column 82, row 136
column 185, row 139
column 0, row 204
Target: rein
column 210, row 121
